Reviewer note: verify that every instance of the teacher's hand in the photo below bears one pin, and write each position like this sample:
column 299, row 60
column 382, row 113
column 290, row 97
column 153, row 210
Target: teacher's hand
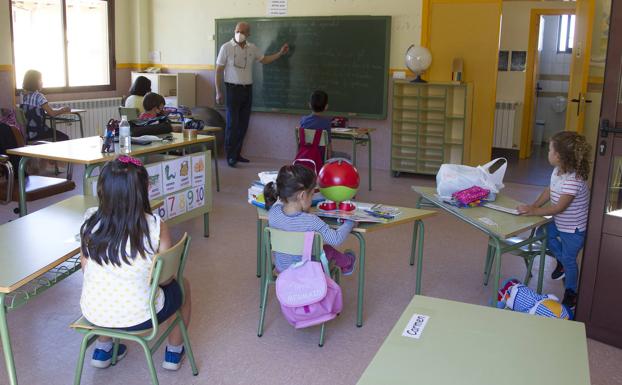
column 284, row 49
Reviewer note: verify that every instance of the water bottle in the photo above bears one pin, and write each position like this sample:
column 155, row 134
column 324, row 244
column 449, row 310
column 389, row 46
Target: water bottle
column 125, row 140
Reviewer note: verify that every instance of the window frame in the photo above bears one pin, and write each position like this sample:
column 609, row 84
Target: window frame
column 559, row 34
column 75, row 89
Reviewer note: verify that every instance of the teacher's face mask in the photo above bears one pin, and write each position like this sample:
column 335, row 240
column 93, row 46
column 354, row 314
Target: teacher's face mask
column 240, row 37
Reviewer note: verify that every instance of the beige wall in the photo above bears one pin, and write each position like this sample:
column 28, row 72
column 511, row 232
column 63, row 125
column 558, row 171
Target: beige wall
column 6, row 52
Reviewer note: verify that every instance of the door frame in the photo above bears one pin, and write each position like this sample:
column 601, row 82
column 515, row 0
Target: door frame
column 530, row 75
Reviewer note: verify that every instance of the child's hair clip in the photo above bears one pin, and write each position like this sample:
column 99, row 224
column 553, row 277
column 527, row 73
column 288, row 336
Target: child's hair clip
column 128, row 159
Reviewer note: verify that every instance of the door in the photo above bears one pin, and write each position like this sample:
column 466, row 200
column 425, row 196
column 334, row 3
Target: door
column 601, row 270
column 580, row 66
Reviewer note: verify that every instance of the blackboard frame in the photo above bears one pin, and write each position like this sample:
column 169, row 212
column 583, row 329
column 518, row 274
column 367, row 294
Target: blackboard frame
column 386, row 69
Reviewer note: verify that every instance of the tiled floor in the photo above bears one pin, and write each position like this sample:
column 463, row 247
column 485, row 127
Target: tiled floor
column 221, row 269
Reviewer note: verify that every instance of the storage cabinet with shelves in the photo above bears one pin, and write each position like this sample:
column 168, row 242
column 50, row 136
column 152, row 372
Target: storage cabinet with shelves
column 430, row 125
column 178, row 89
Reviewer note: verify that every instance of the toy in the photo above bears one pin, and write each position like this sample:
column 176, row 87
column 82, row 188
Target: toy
column 515, row 296
column 338, row 181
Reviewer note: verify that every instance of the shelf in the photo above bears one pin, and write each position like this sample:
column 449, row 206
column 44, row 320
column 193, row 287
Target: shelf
column 432, row 135
column 404, row 157
column 415, row 133
column 454, row 142
column 412, row 109
column 399, row 145
column 455, row 116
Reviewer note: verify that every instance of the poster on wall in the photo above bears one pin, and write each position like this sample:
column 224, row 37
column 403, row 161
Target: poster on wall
column 519, row 60
column 504, row 58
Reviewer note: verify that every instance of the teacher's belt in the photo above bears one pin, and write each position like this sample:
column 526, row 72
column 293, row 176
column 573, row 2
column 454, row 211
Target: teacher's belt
column 239, row 85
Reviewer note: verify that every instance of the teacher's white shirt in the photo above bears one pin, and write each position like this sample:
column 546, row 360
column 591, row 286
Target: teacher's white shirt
column 238, row 61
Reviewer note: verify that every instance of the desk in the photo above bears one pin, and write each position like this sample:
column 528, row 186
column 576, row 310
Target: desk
column 408, row 215
column 470, row 344
column 87, row 151
column 357, row 136
column 64, row 119
column 499, row 228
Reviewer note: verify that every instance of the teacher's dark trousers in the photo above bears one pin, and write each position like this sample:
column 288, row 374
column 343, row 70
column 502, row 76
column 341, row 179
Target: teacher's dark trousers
column 238, row 100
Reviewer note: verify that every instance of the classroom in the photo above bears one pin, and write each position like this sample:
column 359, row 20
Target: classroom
column 310, row 192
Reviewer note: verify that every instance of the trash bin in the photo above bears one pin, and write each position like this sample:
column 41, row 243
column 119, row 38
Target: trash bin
column 538, row 133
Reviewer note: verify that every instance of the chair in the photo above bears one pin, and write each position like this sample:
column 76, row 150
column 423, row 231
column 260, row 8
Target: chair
column 130, row 112
column 166, row 265
column 309, row 133
column 292, row 243
column 37, row 186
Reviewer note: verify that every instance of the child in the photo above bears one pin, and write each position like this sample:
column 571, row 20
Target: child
column 36, row 107
column 119, row 240
column 140, row 88
column 294, row 187
column 569, row 197
column 318, row 104
column 153, row 104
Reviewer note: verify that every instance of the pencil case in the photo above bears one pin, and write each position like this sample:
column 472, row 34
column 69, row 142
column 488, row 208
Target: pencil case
column 472, row 194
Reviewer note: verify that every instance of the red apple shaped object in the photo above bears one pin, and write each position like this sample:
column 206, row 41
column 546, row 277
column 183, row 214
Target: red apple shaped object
column 338, row 180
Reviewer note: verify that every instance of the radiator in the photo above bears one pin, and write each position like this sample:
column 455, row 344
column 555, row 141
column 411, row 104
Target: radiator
column 98, row 112
column 505, row 123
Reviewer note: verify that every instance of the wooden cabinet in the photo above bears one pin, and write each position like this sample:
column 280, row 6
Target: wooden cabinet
column 178, row 89
column 430, row 125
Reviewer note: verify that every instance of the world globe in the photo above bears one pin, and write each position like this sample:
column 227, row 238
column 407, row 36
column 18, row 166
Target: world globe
column 418, row 59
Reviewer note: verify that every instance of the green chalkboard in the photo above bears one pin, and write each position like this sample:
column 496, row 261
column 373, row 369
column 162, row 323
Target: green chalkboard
column 346, row 56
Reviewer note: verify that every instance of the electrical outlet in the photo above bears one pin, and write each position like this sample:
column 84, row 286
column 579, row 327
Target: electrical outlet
column 155, row 56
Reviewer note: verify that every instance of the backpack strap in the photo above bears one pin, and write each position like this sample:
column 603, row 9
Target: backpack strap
column 317, row 137
column 301, row 137
column 308, row 246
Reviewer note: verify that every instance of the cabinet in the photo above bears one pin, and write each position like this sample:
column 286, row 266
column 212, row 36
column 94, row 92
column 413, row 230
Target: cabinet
column 178, row 89
column 430, row 125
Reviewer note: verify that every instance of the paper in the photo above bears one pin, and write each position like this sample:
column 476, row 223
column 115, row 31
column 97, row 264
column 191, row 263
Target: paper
column 185, row 174
column 195, row 197
column 198, row 170
column 488, row 221
column 414, row 328
column 277, row 8
column 175, row 205
column 161, row 211
column 155, row 180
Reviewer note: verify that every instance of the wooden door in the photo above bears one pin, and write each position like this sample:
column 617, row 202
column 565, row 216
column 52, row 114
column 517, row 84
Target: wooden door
column 601, row 270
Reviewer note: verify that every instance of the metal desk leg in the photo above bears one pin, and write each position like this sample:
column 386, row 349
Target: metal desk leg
column 215, row 148
column 259, row 246
column 206, row 225
column 359, row 303
column 88, row 171
column 542, row 259
column 6, row 343
column 495, row 283
column 369, row 158
column 81, row 126
column 419, row 230
column 21, row 179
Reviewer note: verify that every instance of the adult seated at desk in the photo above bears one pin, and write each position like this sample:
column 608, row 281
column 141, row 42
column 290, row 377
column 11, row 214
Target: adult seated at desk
column 139, row 89
column 316, row 121
column 35, row 106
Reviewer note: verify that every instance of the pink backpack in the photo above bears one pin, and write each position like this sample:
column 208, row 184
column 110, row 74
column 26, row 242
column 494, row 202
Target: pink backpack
column 308, row 296
column 311, row 151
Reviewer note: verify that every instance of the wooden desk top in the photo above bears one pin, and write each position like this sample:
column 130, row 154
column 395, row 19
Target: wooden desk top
column 352, row 132
column 501, row 224
column 34, row 244
column 408, row 215
column 470, row 344
column 88, row 150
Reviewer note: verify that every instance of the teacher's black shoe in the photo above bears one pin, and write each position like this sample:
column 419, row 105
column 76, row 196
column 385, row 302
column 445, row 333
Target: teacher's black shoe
column 241, row 159
column 231, row 162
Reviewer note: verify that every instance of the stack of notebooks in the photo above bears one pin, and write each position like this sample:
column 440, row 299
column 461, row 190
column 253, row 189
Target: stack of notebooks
column 255, row 191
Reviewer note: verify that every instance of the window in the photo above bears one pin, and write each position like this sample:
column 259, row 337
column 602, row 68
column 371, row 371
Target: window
column 71, row 42
column 566, row 33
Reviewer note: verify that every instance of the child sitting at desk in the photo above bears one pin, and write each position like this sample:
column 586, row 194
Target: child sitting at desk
column 570, row 197
column 294, row 188
column 318, row 104
column 153, row 104
column 119, row 240
column 36, row 107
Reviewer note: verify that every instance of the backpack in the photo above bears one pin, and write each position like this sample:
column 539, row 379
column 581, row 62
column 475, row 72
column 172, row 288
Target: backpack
column 310, row 151
column 308, row 296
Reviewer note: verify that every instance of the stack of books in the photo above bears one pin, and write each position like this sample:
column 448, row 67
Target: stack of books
column 255, row 191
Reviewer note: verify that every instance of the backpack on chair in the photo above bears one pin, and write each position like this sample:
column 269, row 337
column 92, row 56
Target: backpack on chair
column 310, row 150
column 307, row 294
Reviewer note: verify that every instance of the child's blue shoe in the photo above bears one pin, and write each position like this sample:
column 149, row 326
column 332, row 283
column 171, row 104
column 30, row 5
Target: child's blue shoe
column 172, row 360
column 102, row 359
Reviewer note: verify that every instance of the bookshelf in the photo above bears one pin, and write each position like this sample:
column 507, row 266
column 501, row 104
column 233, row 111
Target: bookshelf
column 430, row 125
column 178, row 89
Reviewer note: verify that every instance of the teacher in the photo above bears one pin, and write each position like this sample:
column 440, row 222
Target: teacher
column 235, row 61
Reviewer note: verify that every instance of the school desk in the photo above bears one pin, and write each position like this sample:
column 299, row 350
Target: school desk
column 29, row 267
column 408, row 215
column 499, row 227
column 87, row 151
column 207, row 130
column 356, row 136
column 476, row 345
column 75, row 116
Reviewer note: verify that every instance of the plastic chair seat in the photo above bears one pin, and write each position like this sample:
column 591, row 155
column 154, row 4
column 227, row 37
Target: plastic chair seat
column 83, row 323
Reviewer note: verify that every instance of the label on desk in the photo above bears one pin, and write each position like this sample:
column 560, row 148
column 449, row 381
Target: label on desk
column 414, row 328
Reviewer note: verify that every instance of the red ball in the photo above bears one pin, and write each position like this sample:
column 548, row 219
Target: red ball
column 339, row 173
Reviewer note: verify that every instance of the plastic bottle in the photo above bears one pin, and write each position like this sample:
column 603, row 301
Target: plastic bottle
column 125, row 140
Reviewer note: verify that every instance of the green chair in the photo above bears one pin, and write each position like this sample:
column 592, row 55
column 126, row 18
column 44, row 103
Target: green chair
column 309, row 134
column 287, row 242
column 130, row 112
column 527, row 252
column 166, row 265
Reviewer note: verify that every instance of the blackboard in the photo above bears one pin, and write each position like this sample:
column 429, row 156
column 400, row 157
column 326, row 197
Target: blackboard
column 346, row 56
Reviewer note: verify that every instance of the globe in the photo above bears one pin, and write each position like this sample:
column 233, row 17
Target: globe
column 418, row 59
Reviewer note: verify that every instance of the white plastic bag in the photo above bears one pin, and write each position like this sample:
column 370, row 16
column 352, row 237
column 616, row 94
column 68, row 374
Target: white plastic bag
column 456, row 177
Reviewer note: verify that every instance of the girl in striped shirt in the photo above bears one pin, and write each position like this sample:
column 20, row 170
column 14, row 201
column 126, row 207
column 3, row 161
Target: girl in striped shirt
column 294, row 190
column 569, row 198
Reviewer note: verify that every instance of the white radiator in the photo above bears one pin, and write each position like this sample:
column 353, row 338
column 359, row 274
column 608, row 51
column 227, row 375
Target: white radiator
column 505, row 123
column 98, row 112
